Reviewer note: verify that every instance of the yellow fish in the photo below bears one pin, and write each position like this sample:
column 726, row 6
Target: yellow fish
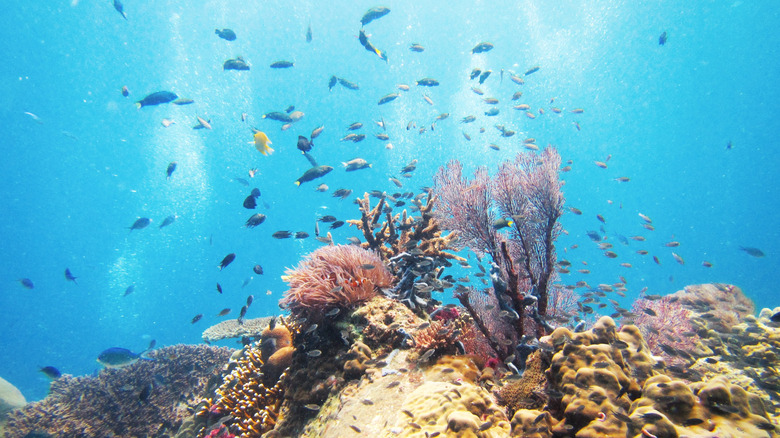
column 261, row 143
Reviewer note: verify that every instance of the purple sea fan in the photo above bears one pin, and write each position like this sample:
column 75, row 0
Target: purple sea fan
column 666, row 327
column 334, row 276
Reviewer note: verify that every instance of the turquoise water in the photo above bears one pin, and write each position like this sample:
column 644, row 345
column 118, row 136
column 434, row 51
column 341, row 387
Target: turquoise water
column 81, row 163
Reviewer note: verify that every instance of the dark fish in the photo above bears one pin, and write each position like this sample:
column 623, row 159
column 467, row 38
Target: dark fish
column 290, row 109
column 301, row 235
column 255, row 220
column 69, row 276
column 474, row 73
column 249, row 300
column 532, row 70
column 312, row 174
column 336, row 224
column 755, row 252
column 308, row 33
column 250, row 202
column 427, row 82
column 278, row 116
column 226, row 34
column 117, row 357
column 389, row 98
column 224, row 311
column 157, row 98
column 219, row 288
column 374, row 14
column 332, row 82
column 282, row 64
column 146, row 391
column 342, row 193
column 170, row 169
column 281, row 235
column 235, row 64
column 120, row 8
column 492, row 112
column 662, row 39
column 327, row 218
column 594, row 236
column 51, row 372
column 347, row 84
column 226, row 261
column 485, row 74
column 482, row 47
column 370, row 47
column 130, row 289
column 304, row 145
column 125, row 91
column 502, row 223
column 167, row 221
column 649, row 311
column 196, row 318
column 242, row 314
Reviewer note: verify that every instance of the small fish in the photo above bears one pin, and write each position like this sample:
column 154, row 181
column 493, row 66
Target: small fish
column 183, row 101
column 171, row 168
column 156, row 98
column 51, row 372
column 356, row 164
column 645, row 218
column 282, row 235
column 224, row 312
column 257, row 269
column 336, row 224
column 312, row 407
column 202, row 123
column 314, row 353
column 130, row 289
column 481, row 48
column 120, row 8
column 226, row 34
column 427, row 82
column 370, row 47
column 226, row 261
column 347, row 84
column 262, row 142
column 374, row 14
column 255, row 220
column 388, row 98
column 672, row 244
column 416, row 48
column 117, row 357
column 69, row 276
column 502, row 223
column 196, row 318
column 313, row 173
column 755, row 252
column 662, row 39
column 532, row 70
column 282, row 64
column 125, row 93
column 483, row 77
column 235, row 64
column 219, row 288
column 301, row 235
column 649, row 311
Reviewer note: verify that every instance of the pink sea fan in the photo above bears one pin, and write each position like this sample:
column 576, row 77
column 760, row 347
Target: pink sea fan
column 666, row 327
column 334, row 276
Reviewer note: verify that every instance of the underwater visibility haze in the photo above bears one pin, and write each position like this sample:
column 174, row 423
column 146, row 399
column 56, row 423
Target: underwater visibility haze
column 128, row 215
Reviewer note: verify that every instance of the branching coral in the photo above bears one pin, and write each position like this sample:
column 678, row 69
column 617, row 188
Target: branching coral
column 331, row 277
column 148, row 398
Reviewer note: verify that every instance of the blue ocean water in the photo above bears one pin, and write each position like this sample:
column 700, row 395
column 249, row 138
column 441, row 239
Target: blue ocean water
column 81, row 163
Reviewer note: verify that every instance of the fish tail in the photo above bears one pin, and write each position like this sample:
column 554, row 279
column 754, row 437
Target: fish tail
column 297, row 183
column 138, row 105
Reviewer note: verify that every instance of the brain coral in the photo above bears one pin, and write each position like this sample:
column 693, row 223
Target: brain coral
column 334, row 277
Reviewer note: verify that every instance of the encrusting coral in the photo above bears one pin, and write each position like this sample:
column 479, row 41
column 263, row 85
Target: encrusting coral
column 147, row 398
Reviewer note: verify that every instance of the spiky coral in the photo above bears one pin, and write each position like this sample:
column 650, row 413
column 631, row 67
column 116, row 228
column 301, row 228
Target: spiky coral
column 147, row 398
column 338, row 276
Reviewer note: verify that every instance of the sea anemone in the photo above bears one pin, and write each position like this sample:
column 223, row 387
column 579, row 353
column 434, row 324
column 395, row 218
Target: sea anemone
column 331, row 277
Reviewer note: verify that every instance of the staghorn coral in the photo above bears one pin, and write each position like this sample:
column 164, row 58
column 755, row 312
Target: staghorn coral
column 331, row 277
column 412, row 247
column 148, row 398
column 232, row 328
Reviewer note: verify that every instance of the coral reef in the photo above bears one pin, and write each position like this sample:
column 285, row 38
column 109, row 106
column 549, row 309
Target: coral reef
column 666, row 327
column 232, row 328
column 333, row 277
column 252, row 392
column 384, row 324
column 528, row 392
column 412, row 247
column 148, row 398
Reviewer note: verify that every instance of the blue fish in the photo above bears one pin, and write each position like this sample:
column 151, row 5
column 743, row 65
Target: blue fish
column 118, row 357
column 140, row 224
column 69, row 276
column 27, row 283
column 156, row 99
